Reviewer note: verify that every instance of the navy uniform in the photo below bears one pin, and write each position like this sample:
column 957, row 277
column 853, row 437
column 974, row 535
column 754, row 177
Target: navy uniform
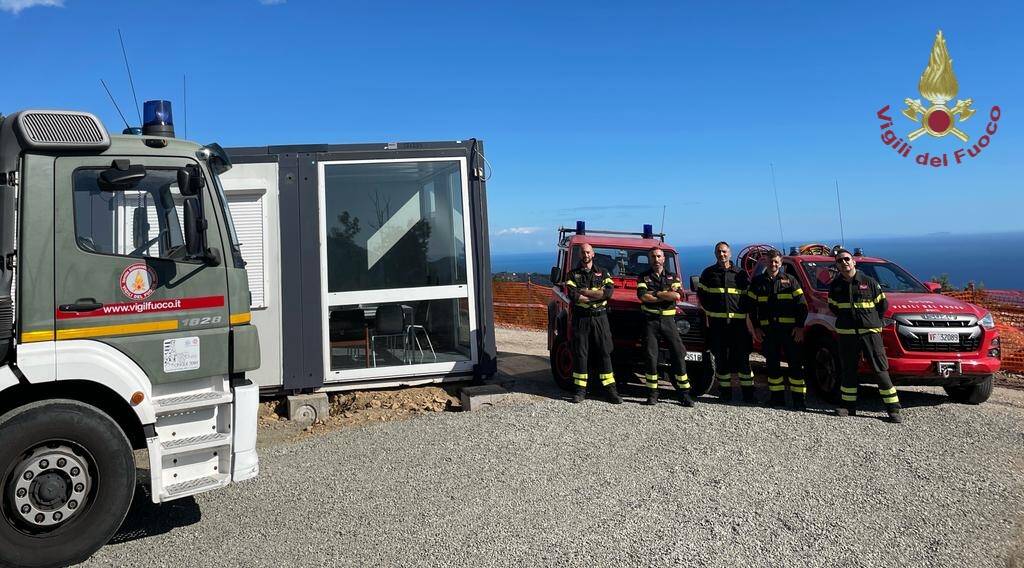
column 859, row 305
column 660, row 321
column 723, row 296
column 778, row 307
column 590, row 329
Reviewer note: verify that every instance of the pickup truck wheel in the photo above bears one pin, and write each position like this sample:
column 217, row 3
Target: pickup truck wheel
column 561, row 364
column 972, row 394
column 67, row 478
column 823, row 371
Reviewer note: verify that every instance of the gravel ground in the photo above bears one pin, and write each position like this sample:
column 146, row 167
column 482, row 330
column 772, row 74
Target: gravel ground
column 539, row 481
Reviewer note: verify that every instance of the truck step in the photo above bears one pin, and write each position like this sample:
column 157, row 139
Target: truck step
column 183, row 445
column 193, row 486
column 191, row 401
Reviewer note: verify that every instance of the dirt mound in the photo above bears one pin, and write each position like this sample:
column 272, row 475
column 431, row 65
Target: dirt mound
column 356, row 408
column 392, row 403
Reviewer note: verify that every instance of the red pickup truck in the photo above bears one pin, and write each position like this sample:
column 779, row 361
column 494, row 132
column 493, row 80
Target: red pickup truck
column 930, row 339
column 624, row 256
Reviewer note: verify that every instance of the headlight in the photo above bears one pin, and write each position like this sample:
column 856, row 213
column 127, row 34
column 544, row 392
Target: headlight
column 683, row 326
column 987, row 322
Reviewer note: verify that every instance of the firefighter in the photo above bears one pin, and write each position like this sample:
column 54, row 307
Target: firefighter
column 722, row 291
column 589, row 287
column 658, row 291
column 859, row 303
column 778, row 310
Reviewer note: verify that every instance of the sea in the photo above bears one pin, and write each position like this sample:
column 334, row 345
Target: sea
column 994, row 260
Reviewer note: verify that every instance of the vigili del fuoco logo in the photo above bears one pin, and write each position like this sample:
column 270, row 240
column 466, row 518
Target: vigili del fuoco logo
column 938, row 86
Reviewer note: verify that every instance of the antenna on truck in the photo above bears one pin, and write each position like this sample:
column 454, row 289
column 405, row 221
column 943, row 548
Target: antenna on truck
column 778, row 211
column 117, row 108
column 124, row 52
column 184, row 103
column 842, row 233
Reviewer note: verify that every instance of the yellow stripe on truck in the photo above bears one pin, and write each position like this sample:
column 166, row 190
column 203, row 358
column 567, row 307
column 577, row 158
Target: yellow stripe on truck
column 123, row 329
column 34, row 336
column 239, row 319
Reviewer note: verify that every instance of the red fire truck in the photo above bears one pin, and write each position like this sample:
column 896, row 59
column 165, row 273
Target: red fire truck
column 930, row 339
column 624, row 256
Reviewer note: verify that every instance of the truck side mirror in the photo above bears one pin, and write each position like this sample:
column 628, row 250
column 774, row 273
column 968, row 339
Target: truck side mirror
column 190, row 182
column 195, row 231
column 694, row 283
column 555, row 273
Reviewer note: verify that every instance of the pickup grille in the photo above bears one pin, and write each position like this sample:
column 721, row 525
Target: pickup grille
column 939, row 323
column 920, row 343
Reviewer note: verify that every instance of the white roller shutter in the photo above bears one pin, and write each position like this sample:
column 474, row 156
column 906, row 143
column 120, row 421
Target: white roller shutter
column 247, row 213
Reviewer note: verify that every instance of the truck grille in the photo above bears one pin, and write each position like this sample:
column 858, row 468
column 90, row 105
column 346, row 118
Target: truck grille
column 939, row 323
column 696, row 333
column 920, row 343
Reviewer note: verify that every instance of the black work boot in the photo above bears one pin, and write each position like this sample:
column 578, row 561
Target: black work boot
column 725, row 393
column 846, row 410
column 777, row 399
column 579, row 395
column 685, row 399
column 748, row 394
column 894, row 413
column 652, row 397
column 799, row 401
column 613, row 394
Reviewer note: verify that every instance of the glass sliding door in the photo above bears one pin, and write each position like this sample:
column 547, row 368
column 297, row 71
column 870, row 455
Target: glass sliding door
column 397, row 268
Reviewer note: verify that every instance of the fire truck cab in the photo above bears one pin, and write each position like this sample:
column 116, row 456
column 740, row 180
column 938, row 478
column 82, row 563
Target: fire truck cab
column 624, row 256
column 929, row 338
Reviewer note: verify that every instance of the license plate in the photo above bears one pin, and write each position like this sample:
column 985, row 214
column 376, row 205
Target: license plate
column 694, row 356
column 943, row 337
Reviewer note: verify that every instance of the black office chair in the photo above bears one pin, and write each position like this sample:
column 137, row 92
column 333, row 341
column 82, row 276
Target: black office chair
column 389, row 322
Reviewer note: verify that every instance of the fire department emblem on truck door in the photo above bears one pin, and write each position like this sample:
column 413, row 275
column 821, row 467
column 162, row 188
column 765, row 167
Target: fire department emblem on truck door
column 138, row 281
column 938, row 85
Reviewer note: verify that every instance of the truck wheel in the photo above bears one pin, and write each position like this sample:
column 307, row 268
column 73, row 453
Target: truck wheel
column 67, row 478
column 561, row 364
column 823, row 372
column 972, row 394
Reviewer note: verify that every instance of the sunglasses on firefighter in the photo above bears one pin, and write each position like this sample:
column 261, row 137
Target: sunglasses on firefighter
column 844, row 259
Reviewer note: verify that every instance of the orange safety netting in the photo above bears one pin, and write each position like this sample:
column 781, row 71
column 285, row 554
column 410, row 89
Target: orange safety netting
column 524, row 304
column 1007, row 307
column 521, row 304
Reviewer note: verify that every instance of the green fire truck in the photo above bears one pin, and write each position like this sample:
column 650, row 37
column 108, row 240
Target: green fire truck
column 124, row 326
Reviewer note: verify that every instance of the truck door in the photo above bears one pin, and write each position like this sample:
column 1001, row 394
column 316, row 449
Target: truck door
column 123, row 277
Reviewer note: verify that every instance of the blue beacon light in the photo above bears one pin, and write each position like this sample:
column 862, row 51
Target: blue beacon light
column 157, row 119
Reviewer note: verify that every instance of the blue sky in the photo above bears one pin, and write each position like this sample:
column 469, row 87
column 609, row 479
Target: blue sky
column 589, row 110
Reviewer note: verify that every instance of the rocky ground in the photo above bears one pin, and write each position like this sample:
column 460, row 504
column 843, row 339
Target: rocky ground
column 539, row 481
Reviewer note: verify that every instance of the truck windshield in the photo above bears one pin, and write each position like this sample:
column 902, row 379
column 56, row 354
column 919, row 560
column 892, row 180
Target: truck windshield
column 624, row 262
column 890, row 276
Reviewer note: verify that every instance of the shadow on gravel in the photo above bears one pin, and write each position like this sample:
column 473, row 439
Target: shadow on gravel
column 531, row 374
column 146, row 519
column 869, row 400
column 528, row 374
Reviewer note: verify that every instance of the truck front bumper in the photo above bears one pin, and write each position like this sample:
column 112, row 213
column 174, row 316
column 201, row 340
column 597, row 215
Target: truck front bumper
column 950, row 370
column 246, row 463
